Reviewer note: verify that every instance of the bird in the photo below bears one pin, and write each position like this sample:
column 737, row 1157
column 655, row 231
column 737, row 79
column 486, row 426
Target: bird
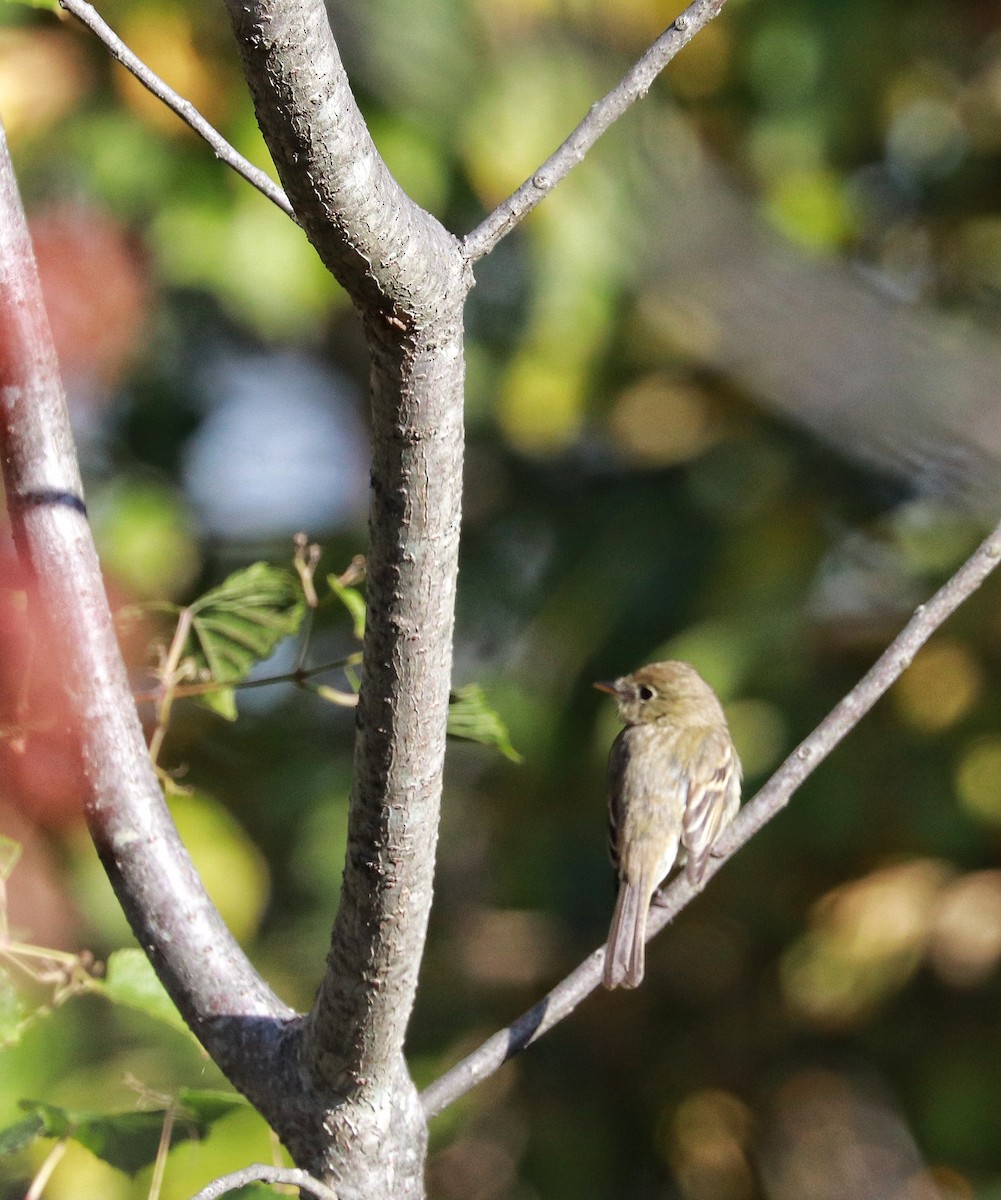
column 673, row 784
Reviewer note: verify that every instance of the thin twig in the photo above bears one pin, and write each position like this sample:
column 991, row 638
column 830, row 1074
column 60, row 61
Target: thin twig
column 260, row 1173
column 89, row 16
column 632, row 87
column 169, row 677
column 769, row 801
column 301, row 676
column 162, row 1150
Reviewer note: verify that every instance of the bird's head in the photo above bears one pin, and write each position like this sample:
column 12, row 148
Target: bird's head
column 664, row 691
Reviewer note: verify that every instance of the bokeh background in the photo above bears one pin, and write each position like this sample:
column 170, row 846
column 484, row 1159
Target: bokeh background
column 733, row 397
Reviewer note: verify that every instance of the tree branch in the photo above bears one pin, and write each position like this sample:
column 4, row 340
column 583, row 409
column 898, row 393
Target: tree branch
column 768, row 802
column 408, row 280
column 632, row 87
column 89, row 16
column 261, row 1173
column 205, row 971
column 397, row 262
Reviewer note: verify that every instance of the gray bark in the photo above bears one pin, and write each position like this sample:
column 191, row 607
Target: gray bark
column 407, row 278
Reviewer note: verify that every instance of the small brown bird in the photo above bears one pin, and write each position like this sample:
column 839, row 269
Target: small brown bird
column 673, row 777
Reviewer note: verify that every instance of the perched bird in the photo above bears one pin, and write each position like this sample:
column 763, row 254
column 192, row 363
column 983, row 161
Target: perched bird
column 673, row 777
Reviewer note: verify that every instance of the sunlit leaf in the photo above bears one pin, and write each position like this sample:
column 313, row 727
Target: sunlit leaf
column 239, row 624
column 128, row 1141
column 222, row 703
column 131, row 980
column 471, row 719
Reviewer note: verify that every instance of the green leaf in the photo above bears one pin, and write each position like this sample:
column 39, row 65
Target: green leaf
column 353, row 601
column 49, row 5
column 131, row 980
column 240, row 622
column 53, row 1121
column 471, row 719
column 128, row 1141
column 222, row 703
column 207, row 1105
column 22, row 1133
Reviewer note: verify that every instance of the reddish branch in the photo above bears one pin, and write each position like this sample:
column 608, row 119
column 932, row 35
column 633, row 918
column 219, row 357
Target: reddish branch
column 205, row 971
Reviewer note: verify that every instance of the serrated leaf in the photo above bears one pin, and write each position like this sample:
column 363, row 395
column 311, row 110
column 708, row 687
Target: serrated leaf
column 15, row 1137
column 131, row 980
column 239, row 623
column 471, row 719
column 353, row 601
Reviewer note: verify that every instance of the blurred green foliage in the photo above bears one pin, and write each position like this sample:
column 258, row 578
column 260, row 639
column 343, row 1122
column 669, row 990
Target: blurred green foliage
column 624, row 502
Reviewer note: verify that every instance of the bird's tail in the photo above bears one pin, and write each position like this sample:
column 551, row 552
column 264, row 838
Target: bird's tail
column 625, row 955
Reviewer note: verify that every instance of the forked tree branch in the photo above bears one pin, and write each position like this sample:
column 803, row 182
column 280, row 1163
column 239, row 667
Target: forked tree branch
column 769, row 801
column 408, row 281
column 89, row 16
column 632, row 87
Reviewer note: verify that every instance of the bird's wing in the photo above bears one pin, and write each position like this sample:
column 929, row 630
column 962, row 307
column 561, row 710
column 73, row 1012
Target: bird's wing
column 618, row 758
column 713, row 798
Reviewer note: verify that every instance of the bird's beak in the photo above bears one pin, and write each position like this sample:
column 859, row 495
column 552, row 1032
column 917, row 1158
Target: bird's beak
column 609, row 687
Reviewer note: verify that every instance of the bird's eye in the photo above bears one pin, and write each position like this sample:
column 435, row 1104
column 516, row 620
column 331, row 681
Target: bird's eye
column 646, row 693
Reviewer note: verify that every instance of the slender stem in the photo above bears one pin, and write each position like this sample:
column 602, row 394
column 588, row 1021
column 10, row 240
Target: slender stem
column 769, row 801
column 261, row 1173
column 162, row 1150
column 632, row 87
column 169, row 675
column 89, row 16
column 300, row 675
column 45, row 1171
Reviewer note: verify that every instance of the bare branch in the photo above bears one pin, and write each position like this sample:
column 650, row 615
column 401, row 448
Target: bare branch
column 261, row 1173
column 769, row 801
column 203, row 968
column 632, row 87
column 89, row 16
column 408, row 280
column 395, row 260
